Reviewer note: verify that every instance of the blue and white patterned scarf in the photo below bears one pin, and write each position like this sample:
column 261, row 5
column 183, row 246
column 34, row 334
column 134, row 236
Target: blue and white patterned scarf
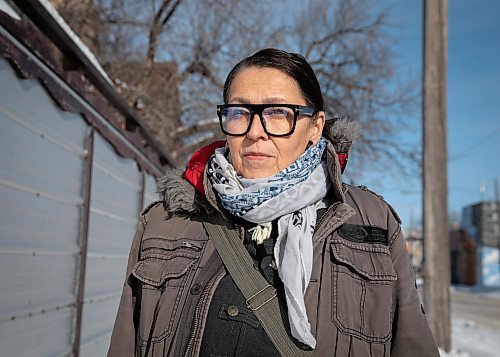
column 292, row 196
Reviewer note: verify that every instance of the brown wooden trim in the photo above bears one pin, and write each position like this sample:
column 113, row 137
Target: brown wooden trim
column 84, row 240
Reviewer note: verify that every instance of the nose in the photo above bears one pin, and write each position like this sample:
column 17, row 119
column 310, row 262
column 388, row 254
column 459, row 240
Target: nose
column 256, row 130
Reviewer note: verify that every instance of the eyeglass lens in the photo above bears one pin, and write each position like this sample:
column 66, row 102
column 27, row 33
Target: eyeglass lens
column 277, row 120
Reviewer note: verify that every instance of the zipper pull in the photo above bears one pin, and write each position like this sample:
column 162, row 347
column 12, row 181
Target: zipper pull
column 190, row 246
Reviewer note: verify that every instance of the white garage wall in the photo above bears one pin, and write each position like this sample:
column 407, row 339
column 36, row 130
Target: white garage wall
column 150, row 193
column 114, row 206
column 41, row 170
column 42, row 164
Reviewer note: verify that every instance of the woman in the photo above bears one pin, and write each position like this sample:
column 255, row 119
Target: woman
column 333, row 255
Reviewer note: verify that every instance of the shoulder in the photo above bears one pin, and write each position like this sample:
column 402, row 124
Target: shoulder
column 153, row 211
column 369, row 202
column 155, row 205
column 167, row 234
column 179, row 197
column 372, row 210
column 158, row 215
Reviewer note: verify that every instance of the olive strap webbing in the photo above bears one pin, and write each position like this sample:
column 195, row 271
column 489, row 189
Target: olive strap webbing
column 259, row 294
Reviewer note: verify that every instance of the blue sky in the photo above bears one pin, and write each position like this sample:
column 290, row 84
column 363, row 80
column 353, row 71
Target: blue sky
column 473, row 95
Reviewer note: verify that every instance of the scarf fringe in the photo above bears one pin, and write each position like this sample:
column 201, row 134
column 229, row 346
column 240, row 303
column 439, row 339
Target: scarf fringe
column 260, row 233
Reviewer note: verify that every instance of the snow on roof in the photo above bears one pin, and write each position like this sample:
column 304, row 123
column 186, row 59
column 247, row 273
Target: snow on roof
column 9, row 10
column 74, row 37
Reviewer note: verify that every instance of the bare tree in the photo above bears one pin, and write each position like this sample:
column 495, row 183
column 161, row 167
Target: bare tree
column 124, row 34
column 345, row 41
column 83, row 17
column 202, row 38
column 208, row 38
column 350, row 49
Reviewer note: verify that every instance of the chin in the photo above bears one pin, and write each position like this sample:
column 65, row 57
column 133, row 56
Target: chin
column 256, row 170
column 257, row 174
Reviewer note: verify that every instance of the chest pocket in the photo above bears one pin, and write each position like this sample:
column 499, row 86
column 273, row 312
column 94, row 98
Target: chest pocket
column 163, row 270
column 363, row 278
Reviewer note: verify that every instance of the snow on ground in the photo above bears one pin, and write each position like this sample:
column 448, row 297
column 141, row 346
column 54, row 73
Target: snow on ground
column 472, row 340
column 469, row 338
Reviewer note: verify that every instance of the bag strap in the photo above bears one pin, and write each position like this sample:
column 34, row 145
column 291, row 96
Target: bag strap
column 261, row 297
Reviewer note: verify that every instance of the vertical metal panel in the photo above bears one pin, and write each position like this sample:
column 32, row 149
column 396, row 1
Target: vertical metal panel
column 84, row 235
column 150, row 194
column 116, row 186
column 41, row 161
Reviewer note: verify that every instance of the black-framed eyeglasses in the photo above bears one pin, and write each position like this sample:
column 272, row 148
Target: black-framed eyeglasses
column 276, row 119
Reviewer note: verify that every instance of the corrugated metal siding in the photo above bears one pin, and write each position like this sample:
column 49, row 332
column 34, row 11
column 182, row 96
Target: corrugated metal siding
column 38, row 335
column 114, row 207
column 41, row 170
column 150, row 193
column 41, row 195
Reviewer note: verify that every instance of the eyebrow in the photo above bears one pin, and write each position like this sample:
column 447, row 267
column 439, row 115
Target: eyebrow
column 270, row 100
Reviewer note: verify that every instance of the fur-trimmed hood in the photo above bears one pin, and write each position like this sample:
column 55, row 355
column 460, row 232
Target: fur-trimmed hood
column 180, row 197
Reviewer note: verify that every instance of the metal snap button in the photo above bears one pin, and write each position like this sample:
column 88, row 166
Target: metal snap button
column 196, row 289
column 232, row 311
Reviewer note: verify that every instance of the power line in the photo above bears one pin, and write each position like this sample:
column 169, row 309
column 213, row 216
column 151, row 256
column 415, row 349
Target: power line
column 472, row 149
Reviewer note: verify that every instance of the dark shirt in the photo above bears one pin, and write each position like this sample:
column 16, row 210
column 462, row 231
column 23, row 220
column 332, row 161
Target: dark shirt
column 232, row 329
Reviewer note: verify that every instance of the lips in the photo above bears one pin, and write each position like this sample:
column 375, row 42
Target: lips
column 256, row 155
column 251, row 153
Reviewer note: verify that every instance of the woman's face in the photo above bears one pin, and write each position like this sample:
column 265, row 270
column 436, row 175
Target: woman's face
column 258, row 155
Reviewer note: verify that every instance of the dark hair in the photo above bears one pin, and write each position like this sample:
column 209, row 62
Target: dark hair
column 292, row 64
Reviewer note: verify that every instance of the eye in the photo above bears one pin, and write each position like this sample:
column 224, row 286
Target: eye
column 235, row 113
column 277, row 113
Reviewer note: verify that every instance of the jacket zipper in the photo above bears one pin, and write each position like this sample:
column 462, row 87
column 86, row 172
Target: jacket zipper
column 335, row 226
column 205, row 294
column 328, row 210
column 318, row 223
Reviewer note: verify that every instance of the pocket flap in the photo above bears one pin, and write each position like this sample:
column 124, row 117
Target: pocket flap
column 156, row 269
column 373, row 263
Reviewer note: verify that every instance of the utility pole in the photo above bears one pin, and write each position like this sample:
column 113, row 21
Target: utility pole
column 435, row 177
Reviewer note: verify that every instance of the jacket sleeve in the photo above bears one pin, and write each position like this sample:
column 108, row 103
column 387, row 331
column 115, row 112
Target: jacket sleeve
column 411, row 333
column 124, row 331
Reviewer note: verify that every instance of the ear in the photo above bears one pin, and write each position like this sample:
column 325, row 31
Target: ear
column 317, row 127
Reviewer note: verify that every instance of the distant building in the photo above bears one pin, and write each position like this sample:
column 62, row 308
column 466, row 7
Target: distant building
column 462, row 258
column 415, row 247
column 481, row 222
column 462, row 255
